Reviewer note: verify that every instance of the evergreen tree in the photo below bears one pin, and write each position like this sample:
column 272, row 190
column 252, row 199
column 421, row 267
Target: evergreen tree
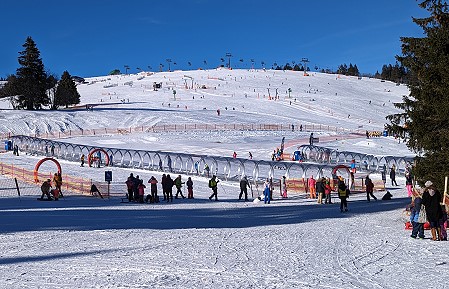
column 31, row 83
column 66, row 92
column 423, row 122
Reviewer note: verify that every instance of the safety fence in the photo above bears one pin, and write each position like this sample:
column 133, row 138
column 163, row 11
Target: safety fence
column 184, row 127
column 301, row 185
column 73, row 185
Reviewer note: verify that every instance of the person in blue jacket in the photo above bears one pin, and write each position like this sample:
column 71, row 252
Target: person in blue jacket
column 266, row 192
column 418, row 228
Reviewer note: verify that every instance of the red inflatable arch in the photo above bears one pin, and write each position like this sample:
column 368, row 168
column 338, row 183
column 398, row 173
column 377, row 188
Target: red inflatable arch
column 90, row 158
column 36, row 168
column 336, row 168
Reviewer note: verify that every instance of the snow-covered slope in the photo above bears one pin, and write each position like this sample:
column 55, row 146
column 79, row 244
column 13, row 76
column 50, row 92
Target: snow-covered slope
column 243, row 96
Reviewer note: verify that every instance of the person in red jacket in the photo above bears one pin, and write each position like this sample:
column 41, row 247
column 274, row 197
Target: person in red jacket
column 327, row 192
column 369, row 188
column 141, row 189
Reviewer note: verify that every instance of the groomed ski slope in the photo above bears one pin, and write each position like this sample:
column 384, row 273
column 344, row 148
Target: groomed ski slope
column 85, row 242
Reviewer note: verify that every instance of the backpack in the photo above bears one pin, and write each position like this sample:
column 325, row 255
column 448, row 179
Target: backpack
column 210, row 183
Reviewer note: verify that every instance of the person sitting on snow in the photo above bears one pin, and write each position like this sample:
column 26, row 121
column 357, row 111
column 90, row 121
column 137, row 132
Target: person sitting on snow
column 45, row 188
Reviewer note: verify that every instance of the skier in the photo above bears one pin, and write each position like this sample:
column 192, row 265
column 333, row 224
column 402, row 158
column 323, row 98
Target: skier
column 178, row 184
column 213, row 185
column 311, row 139
column 82, row 160
column 369, row 188
column 353, row 166
column 189, row 188
column 234, row 155
column 250, row 155
column 52, row 150
column 244, row 184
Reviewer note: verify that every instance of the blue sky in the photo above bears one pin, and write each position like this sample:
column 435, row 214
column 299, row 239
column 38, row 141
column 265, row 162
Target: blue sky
column 91, row 38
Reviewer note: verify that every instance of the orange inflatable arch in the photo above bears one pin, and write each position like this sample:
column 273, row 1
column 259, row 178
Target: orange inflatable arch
column 39, row 163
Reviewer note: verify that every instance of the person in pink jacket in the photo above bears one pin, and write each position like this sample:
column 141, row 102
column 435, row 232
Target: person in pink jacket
column 311, row 184
column 141, row 189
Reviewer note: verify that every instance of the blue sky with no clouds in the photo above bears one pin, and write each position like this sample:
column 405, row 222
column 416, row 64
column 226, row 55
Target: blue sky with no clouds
column 91, row 38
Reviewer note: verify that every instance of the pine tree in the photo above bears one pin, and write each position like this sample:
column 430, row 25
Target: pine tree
column 424, row 120
column 66, row 92
column 31, row 83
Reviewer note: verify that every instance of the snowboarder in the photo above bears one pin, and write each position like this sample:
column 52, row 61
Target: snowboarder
column 213, row 185
column 244, row 184
column 189, row 184
column 178, row 184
